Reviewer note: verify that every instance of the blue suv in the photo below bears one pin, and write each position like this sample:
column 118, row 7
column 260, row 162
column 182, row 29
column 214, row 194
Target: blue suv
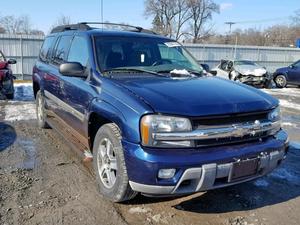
column 139, row 107
column 288, row 75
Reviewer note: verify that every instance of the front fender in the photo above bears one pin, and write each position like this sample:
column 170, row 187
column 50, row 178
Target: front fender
column 128, row 124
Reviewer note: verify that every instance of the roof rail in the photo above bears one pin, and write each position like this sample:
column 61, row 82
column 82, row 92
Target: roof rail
column 85, row 26
column 78, row 26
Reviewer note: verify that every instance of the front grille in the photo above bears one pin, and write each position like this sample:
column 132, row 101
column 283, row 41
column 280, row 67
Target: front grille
column 207, row 122
column 200, row 122
column 231, row 140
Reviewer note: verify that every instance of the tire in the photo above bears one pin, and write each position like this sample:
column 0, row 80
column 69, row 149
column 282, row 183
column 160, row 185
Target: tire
column 10, row 96
column 40, row 110
column 109, row 165
column 268, row 84
column 280, row 81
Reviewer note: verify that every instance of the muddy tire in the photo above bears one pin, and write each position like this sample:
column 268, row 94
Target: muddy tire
column 10, row 96
column 40, row 110
column 280, row 81
column 109, row 164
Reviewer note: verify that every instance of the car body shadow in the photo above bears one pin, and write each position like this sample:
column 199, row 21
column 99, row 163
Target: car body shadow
column 7, row 136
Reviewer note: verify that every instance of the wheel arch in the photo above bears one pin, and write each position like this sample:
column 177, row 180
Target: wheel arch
column 102, row 113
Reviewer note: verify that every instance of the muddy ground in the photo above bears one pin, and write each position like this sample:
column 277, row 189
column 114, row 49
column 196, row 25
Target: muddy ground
column 42, row 181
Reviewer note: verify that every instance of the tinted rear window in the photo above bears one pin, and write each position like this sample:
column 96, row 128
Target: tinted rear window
column 45, row 50
column 61, row 50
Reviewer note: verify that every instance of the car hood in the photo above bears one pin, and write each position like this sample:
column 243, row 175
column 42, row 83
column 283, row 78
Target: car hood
column 198, row 96
column 250, row 70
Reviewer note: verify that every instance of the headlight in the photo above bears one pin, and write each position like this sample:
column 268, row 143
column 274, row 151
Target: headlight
column 164, row 124
column 275, row 115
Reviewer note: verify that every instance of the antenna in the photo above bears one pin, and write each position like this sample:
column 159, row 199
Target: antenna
column 102, row 13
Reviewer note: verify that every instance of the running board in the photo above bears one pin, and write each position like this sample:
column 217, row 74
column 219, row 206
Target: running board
column 78, row 142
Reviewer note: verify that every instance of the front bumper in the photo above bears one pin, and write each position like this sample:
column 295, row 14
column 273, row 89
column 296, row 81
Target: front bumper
column 201, row 170
column 254, row 80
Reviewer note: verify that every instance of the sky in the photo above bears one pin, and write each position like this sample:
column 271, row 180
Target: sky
column 44, row 13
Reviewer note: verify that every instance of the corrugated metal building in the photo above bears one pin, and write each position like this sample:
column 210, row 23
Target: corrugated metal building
column 25, row 49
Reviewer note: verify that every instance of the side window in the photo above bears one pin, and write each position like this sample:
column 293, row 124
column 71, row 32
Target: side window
column 61, row 50
column 79, row 51
column 297, row 64
column 45, row 50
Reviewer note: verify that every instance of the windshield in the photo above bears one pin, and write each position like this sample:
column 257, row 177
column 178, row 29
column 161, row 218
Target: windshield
column 245, row 62
column 144, row 54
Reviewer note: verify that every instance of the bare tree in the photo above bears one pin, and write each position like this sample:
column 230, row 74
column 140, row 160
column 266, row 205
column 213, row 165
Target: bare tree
column 172, row 16
column 296, row 18
column 60, row 21
column 16, row 25
column 164, row 12
column 201, row 13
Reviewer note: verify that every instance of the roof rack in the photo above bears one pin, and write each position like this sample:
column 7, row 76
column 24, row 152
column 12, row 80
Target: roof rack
column 78, row 26
column 85, row 26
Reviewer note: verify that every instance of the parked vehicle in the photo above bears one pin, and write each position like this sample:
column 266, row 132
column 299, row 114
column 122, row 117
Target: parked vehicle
column 244, row 71
column 6, row 77
column 138, row 106
column 288, row 75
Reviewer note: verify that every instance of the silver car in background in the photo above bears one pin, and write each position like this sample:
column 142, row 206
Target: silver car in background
column 244, row 71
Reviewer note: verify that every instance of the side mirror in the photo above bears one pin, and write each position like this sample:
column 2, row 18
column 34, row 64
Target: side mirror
column 205, row 67
column 213, row 72
column 12, row 61
column 72, row 69
column 292, row 66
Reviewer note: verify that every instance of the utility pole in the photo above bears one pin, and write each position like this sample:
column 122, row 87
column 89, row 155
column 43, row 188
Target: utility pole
column 230, row 25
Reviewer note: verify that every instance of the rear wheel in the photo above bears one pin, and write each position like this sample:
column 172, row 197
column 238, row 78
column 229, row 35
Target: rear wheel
column 280, row 81
column 40, row 110
column 109, row 164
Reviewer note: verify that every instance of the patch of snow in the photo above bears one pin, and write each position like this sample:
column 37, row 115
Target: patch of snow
column 23, row 92
column 139, row 210
column 261, row 183
column 291, row 92
column 15, row 112
column 291, row 105
column 295, row 145
column 289, row 124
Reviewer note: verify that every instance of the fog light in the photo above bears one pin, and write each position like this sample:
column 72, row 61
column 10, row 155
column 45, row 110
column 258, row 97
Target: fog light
column 166, row 173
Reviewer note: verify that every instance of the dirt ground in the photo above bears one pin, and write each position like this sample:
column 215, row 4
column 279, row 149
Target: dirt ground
column 42, row 181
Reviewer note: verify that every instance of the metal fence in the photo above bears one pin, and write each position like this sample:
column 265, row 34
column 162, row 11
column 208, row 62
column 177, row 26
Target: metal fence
column 25, row 49
column 270, row 57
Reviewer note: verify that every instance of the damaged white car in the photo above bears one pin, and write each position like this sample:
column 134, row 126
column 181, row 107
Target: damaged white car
column 244, row 71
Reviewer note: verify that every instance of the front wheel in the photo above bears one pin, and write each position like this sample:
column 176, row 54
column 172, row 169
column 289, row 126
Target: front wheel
column 109, row 164
column 280, row 81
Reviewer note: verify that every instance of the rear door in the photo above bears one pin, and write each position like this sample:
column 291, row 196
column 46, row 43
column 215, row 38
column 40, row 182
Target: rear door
column 53, row 94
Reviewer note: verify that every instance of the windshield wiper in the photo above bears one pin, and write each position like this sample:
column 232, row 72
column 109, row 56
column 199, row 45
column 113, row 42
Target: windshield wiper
column 192, row 72
column 133, row 70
